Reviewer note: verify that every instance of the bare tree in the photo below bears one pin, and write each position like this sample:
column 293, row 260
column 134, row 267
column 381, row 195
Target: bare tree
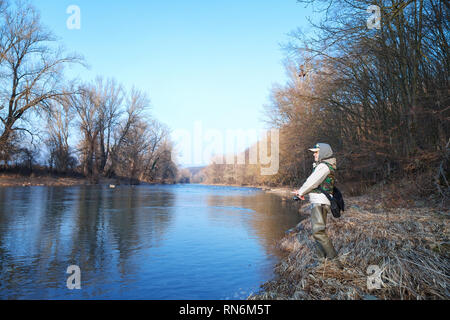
column 118, row 137
column 87, row 108
column 59, row 121
column 31, row 67
column 6, row 43
column 156, row 155
column 109, row 97
column 141, row 148
column 137, row 104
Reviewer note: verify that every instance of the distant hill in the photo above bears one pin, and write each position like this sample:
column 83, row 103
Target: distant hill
column 195, row 170
column 196, row 175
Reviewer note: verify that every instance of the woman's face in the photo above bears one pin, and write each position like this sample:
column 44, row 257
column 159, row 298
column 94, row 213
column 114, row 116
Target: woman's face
column 316, row 156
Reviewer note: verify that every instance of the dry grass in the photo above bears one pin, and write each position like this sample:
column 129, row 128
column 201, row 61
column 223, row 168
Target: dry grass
column 411, row 246
column 16, row 180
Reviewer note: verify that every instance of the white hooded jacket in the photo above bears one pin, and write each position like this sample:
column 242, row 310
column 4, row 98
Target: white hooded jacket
column 318, row 176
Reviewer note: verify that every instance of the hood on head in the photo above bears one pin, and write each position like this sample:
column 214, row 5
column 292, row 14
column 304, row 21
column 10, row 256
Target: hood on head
column 325, row 151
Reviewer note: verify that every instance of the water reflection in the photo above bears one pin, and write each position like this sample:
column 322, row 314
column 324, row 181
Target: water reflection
column 269, row 215
column 144, row 242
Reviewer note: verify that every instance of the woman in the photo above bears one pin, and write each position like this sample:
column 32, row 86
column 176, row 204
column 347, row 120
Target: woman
column 322, row 176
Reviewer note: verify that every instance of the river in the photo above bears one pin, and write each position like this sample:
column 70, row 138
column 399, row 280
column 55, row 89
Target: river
column 181, row 242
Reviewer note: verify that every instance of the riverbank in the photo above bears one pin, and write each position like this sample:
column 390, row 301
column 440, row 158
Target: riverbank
column 281, row 191
column 409, row 245
column 237, row 186
column 17, row 180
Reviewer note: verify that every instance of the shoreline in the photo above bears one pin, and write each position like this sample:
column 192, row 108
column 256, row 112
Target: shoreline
column 282, row 191
column 410, row 247
column 16, row 180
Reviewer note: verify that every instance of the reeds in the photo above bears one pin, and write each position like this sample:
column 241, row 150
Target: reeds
column 409, row 246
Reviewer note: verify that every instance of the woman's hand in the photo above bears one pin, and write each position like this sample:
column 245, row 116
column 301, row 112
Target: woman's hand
column 298, row 195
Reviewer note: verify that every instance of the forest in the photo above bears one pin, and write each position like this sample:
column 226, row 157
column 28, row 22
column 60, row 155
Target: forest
column 51, row 124
column 376, row 90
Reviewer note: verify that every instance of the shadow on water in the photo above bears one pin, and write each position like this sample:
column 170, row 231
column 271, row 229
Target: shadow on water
column 142, row 242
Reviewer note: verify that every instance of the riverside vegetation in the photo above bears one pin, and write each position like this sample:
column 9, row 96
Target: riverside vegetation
column 380, row 97
column 56, row 130
column 410, row 244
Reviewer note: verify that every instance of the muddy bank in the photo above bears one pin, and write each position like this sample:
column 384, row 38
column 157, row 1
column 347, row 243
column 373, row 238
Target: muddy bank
column 409, row 247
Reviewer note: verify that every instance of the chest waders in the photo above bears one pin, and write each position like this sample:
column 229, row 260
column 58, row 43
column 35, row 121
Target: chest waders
column 324, row 246
column 319, row 215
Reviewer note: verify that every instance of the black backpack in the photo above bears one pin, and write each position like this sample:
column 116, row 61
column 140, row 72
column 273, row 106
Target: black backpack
column 336, row 200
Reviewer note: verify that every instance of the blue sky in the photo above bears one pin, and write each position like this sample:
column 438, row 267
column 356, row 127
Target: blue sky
column 208, row 61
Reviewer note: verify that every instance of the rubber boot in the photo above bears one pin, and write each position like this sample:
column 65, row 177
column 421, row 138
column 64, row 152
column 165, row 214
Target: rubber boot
column 320, row 252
